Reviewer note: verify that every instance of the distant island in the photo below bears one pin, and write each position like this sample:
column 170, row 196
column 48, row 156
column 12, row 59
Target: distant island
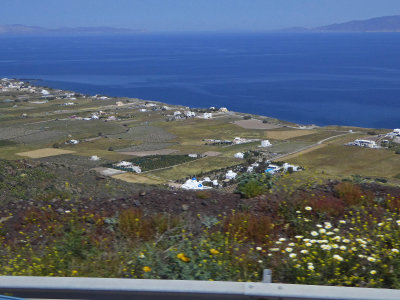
column 380, row 24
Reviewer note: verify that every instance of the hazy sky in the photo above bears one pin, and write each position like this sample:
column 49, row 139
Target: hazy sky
column 191, row 15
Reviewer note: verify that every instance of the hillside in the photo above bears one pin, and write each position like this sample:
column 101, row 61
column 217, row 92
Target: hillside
column 380, row 24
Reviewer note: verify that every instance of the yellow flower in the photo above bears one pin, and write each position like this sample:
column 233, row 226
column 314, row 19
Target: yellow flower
column 371, row 259
column 214, row 251
column 180, row 255
column 146, row 269
column 373, row 272
column 74, row 272
column 308, row 208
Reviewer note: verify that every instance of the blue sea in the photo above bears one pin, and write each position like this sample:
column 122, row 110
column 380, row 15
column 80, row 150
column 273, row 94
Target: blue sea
column 307, row 78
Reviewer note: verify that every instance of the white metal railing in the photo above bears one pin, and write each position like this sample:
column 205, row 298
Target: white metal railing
column 111, row 288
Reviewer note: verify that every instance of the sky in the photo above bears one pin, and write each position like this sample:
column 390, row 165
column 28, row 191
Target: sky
column 192, row 15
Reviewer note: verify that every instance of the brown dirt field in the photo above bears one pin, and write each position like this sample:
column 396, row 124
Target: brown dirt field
column 212, row 153
column 255, row 124
column 45, row 152
column 135, row 178
column 287, row 134
column 147, row 153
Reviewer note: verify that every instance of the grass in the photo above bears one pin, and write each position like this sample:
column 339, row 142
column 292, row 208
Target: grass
column 345, row 160
column 44, row 152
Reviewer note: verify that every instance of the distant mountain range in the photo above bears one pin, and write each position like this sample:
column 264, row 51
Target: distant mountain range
column 381, row 24
column 18, row 29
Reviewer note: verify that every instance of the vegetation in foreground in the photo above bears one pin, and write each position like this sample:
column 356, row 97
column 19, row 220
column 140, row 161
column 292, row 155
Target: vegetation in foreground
column 337, row 234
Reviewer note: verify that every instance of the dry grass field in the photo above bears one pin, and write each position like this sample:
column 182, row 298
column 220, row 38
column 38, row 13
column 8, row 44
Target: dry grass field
column 45, row 152
column 340, row 160
column 287, row 134
column 135, row 178
column 255, row 124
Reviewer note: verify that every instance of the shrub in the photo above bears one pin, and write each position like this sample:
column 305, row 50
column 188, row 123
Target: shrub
column 246, row 117
column 203, row 195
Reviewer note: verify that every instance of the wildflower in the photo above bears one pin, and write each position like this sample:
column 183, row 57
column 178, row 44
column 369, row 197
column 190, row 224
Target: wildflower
column 336, row 230
column 298, row 236
column 322, row 230
column 289, row 249
column 74, row 272
column 328, row 225
column 215, row 251
column 306, row 240
column 308, row 244
column 292, row 255
column 343, row 248
column 326, row 247
column 313, row 241
column 298, row 212
column 342, row 221
column 282, row 239
column 346, row 241
column 314, row 233
column 310, row 267
column 371, row 259
column 304, row 251
column 373, row 272
column 141, row 255
column 319, row 225
column 258, row 248
column 260, row 261
column 67, row 211
column 380, row 224
column 338, row 257
column 292, row 244
column 398, row 222
column 394, row 250
column 330, row 233
column 146, row 269
column 308, row 208
column 274, row 249
column 335, row 246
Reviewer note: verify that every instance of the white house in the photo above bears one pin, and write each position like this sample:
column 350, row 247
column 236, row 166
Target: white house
column 94, row 158
column 189, row 114
column 45, row 92
column 239, row 155
column 286, row 166
column 230, row 175
column 193, row 184
column 265, row 143
column 223, row 109
column 396, row 131
column 192, row 155
column 123, row 164
column 177, row 113
column 365, row 143
column 207, row 115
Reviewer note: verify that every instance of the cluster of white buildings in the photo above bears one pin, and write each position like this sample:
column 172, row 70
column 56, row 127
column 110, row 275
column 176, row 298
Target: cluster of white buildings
column 194, row 184
column 363, row 143
column 126, row 165
column 272, row 169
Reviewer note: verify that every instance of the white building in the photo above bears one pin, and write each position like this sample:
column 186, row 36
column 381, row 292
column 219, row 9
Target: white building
column 207, row 115
column 365, row 143
column 239, row 155
column 177, row 113
column 192, row 155
column 230, row 175
column 94, row 158
column 189, row 114
column 193, row 184
column 396, row 131
column 265, row 143
column 45, row 92
column 286, row 166
column 223, row 109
